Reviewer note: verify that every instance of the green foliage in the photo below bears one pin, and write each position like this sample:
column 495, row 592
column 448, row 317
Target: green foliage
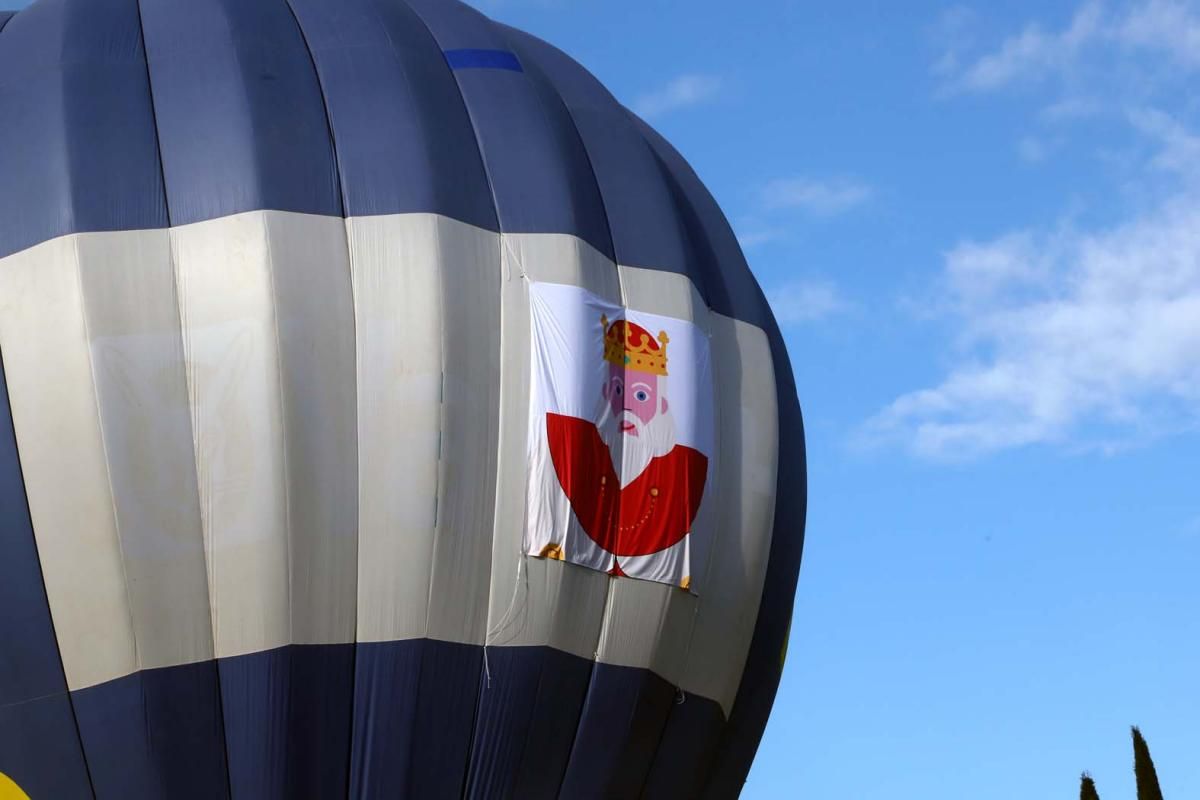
column 1143, row 769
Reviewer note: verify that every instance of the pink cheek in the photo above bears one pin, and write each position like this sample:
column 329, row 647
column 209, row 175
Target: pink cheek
column 644, row 409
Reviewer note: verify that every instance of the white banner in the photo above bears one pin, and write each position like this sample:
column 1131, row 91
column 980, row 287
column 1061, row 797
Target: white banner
column 621, row 436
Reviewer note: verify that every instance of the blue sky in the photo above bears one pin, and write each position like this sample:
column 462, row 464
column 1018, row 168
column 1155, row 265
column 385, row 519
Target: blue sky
column 980, row 229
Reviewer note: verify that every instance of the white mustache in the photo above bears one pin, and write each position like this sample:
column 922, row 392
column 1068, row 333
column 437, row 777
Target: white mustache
column 633, row 419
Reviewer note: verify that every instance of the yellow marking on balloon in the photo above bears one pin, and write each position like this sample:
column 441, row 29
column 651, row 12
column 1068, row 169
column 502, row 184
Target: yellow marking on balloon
column 9, row 789
column 552, row 551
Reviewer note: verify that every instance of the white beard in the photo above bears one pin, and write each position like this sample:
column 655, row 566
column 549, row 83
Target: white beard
column 631, row 454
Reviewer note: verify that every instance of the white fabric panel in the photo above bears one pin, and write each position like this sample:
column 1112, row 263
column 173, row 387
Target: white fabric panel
column 44, row 337
column 748, row 432
column 468, row 261
column 314, row 309
column 552, row 603
column 128, row 286
column 427, row 306
column 398, row 319
column 226, row 304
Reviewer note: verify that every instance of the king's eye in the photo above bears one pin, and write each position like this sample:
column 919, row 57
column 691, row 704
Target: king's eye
column 641, row 395
column 619, row 389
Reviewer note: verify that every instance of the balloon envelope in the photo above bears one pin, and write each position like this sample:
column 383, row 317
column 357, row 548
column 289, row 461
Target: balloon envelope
column 385, row 411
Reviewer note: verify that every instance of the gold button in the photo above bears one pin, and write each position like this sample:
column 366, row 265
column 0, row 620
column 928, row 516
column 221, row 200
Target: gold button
column 654, row 492
column 603, row 479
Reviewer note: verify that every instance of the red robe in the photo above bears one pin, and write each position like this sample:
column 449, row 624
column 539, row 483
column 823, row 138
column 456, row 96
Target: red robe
column 652, row 513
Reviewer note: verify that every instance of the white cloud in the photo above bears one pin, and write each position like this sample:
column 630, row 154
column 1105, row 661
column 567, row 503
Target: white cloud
column 1168, row 29
column 682, row 92
column 1032, row 53
column 1032, row 150
column 1070, row 109
column 824, row 198
column 804, row 301
column 1178, row 148
column 954, row 30
column 1173, row 27
column 1070, row 336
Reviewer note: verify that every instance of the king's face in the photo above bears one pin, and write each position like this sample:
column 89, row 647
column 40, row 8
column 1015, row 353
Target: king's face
column 631, row 392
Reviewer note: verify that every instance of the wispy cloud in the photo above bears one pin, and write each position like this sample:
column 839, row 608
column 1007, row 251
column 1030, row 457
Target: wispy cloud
column 804, row 301
column 1032, row 53
column 1164, row 25
column 1163, row 29
column 820, row 197
column 1063, row 335
column 682, row 92
column 808, row 300
column 1178, row 150
column 1034, row 149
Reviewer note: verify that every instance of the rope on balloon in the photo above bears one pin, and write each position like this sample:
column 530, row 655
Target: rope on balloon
column 504, row 620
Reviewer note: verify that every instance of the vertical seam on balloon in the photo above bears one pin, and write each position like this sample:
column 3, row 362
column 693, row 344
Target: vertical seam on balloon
column 499, row 233
column 112, row 500
column 288, row 648
column 190, row 383
column 12, row 430
column 354, row 644
column 788, row 405
column 265, row 223
column 499, row 32
column 786, row 399
column 442, row 287
column 604, row 616
column 681, row 203
column 312, row 61
column 77, row 268
column 422, row 27
column 344, row 200
column 720, row 464
column 440, row 477
column 153, row 112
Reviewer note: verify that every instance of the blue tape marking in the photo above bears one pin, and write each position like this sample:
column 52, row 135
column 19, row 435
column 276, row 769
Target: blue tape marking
column 483, row 59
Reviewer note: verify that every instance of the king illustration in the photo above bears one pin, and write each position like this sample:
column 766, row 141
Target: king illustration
column 633, row 488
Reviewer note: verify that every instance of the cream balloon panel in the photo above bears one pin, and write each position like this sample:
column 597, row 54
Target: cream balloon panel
column 49, row 355
column 427, row 318
column 266, row 308
column 278, row 428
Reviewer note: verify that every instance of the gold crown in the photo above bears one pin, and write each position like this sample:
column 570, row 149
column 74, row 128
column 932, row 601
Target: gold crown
column 629, row 345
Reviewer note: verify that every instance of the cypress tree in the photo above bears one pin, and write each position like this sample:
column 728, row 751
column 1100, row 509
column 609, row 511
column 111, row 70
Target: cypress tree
column 1143, row 769
column 1087, row 788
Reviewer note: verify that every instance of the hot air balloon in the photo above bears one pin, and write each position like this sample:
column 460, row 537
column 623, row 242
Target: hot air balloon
column 385, row 411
